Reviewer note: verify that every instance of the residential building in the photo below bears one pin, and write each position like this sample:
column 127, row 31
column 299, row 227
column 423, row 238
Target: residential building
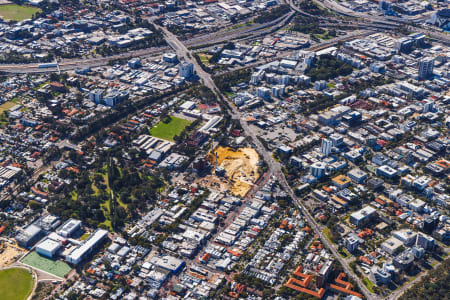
column 426, row 66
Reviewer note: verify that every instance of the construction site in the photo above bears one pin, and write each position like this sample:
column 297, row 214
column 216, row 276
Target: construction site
column 234, row 170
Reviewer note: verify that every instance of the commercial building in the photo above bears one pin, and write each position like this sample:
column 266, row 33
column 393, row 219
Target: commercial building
column 362, row 216
column 169, row 263
column 81, row 252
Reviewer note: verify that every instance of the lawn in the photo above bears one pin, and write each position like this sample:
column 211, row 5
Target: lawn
column 15, row 284
column 14, row 12
column 7, row 105
column 344, row 252
column 167, row 131
column 327, row 233
column 51, row 266
column 204, row 58
column 84, row 236
column 369, row 284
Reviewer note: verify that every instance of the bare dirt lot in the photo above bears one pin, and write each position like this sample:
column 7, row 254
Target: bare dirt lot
column 9, row 253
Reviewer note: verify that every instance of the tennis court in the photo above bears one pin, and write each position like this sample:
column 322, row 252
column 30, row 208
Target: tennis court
column 42, row 263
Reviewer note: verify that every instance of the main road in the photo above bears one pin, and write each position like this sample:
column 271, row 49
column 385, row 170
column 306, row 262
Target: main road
column 274, row 167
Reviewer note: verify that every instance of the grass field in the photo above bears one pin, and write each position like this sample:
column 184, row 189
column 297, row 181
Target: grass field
column 369, row 284
column 7, row 105
column 15, row 284
column 54, row 267
column 204, row 58
column 14, row 12
column 167, row 131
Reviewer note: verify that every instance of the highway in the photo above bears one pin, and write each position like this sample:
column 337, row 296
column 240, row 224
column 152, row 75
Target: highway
column 251, row 31
column 274, row 167
column 221, row 36
column 385, row 20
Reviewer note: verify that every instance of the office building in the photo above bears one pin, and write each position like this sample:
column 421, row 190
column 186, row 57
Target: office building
column 357, row 175
column 391, row 246
column 424, row 241
column 317, row 169
column 351, row 244
column 263, row 92
column 407, row 237
column 380, row 275
column 404, row 261
column 386, row 171
column 186, row 69
column 362, row 216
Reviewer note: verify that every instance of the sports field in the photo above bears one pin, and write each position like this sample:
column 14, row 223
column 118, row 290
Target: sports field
column 54, row 267
column 167, row 131
column 14, row 12
column 15, row 284
column 7, row 105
